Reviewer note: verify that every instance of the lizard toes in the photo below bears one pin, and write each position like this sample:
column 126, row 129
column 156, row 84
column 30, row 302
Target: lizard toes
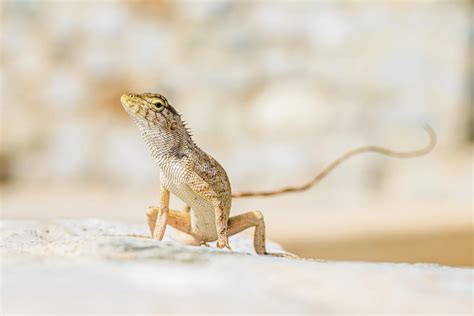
column 223, row 245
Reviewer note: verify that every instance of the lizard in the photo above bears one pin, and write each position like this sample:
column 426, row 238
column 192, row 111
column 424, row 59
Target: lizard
column 202, row 183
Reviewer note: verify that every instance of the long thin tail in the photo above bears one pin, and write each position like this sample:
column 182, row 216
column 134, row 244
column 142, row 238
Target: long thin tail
column 337, row 162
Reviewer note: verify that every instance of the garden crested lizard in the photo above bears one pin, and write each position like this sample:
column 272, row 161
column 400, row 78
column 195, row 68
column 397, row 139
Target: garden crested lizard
column 201, row 182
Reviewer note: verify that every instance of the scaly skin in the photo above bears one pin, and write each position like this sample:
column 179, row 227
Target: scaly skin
column 186, row 171
column 201, row 182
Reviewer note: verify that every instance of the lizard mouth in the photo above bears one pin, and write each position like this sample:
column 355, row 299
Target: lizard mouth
column 126, row 100
column 129, row 105
column 137, row 110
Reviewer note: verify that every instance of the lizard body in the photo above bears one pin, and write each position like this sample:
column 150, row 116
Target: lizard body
column 186, row 171
column 201, row 182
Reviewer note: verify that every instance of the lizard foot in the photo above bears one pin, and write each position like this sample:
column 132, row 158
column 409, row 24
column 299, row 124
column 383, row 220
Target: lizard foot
column 223, row 245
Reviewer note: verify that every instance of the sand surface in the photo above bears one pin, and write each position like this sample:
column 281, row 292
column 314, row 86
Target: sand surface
column 95, row 266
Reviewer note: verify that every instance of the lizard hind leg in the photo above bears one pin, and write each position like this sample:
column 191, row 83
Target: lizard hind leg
column 176, row 219
column 180, row 221
column 254, row 219
column 250, row 219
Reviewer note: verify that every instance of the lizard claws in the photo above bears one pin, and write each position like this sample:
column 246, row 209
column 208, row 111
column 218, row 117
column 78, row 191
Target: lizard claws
column 224, row 244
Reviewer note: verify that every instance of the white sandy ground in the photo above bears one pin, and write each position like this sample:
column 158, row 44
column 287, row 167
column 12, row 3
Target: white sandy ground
column 319, row 224
column 92, row 266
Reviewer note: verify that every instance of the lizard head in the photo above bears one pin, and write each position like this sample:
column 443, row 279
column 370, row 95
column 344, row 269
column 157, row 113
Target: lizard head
column 151, row 109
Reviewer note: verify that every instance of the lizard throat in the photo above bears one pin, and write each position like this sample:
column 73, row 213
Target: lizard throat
column 164, row 144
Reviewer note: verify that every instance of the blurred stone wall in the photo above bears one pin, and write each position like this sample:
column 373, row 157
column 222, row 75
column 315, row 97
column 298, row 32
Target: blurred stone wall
column 274, row 90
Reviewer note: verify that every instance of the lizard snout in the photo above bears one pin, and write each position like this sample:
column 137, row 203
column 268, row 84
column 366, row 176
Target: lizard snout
column 125, row 97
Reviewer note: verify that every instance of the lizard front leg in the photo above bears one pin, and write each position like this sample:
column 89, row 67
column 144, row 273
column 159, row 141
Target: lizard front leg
column 158, row 217
column 222, row 220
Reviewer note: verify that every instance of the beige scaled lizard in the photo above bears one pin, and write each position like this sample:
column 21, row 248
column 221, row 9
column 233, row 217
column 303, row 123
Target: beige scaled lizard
column 201, row 182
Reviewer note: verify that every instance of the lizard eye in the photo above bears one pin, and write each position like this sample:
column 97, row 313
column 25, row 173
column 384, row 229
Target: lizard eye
column 158, row 104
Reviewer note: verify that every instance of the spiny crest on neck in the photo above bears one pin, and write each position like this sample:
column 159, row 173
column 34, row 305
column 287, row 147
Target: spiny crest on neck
column 159, row 122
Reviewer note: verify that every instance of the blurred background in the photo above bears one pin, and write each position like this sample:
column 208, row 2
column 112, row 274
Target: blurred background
column 273, row 90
